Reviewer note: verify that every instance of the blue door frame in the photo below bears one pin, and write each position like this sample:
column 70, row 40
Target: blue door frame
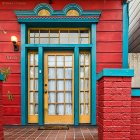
column 41, row 48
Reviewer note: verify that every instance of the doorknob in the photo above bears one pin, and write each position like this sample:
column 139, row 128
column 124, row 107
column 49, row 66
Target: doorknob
column 45, row 91
column 45, row 85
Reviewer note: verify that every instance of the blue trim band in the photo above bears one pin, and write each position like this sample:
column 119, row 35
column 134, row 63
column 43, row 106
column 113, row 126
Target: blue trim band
column 76, row 86
column 115, row 73
column 135, row 92
column 125, row 36
column 24, row 78
column 1, row 77
column 93, row 75
column 41, row 86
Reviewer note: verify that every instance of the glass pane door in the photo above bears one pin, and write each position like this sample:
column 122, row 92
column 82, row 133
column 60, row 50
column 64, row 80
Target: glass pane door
column 84, row 95
column 58, row 87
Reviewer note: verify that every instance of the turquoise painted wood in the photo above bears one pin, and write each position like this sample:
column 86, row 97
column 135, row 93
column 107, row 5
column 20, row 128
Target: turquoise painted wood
column 1, row 77
column 135, row 92
column 115, row 72
column 76, row 86
column 125, row 35
column 24, row 77
column 41, row 86
column 63, row 12
column 93, row 75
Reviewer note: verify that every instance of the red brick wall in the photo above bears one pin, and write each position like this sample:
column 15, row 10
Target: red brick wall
column 1, row 113
column 114, row 108
column 135, row 118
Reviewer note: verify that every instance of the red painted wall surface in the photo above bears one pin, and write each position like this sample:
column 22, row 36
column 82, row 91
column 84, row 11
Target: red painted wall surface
column 109, row 42
column 135, row 118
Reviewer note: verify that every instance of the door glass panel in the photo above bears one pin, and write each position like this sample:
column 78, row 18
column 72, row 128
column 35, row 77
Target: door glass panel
column 51, row 109
column 68, row 73
column 31, row 84
column 36, row 72
column 51, row 73
column 68, row 109
column 81, row 59
column 60, row 109
column 60, row 85
column 60, row 97
column 31, row 97
column 60, row 61
column 52, row 85
column 31, row 72
column 36, row 59
column 31, row 59
column 82, row 84
column 31, row 109
column 36, row 84
column 60, row 73
column 68, row 60
column 82, row 97
column 52, row 97
column 36, row 97
column 86, row 72
column 81, row 109
column 68, row 98
column 81, row 72
column 36, row 109
column 51, row 61
column 68, row 85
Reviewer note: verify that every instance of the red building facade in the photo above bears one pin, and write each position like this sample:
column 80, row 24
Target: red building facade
column 102, row 26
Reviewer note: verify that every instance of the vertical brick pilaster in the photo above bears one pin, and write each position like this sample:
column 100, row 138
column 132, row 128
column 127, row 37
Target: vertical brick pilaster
column 114, row 108
column 1, row 113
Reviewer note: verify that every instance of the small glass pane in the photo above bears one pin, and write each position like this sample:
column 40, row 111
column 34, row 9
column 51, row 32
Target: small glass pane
column 36, row 40
column 52, row 97
column 32, row 40
column 68, row 85
column 87, row 72
column 60, row 97
column 84, row 41
column 84, row 33
column 52, row 85
column 64, row 33
column 31, row 109
column 32, row 59
column 54, row 40
column 36, row 109
column 82, row 84
column 68, row 60
column 81, row 59
column 68, row 98
column 51, row 73
column 60, row 85
column 51, row 61
column 54, row 33
column 68, row 109
column 82, row 72
column 86, row 59
column 36, row 33
column 60, row 61
column 86, row 84
column 44, row 40
column 36, row 84
column 36, row 72
column 36, row 97
column 60, row 73
column 86, row 97
column 81, row 97
column 73, row 33
column 51, row 109
column 36, row 59
column 64, row 40
column 31, row 84
column 31, row 72
column 31, row 97
column 44, row 33
column 31, row 33
column 68, row 73
column 87, row 107
column 60, row 109
column 81, row 109
column 73, row 40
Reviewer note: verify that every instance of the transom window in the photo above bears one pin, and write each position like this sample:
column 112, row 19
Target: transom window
column 59, row 36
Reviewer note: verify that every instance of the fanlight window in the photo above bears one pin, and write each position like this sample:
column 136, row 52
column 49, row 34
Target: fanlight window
column 72, row 13
column 44, row 12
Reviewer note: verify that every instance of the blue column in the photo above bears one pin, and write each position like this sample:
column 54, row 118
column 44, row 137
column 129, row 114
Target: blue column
column 41, row 86
column 93, row 74
column 76, row 86
column 125, row 36
column 24, row 77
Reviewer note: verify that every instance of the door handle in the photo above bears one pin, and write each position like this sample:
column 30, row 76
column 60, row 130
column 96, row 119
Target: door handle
column 45, row 91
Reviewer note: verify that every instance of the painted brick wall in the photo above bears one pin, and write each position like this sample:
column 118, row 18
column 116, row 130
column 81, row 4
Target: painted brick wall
column 135, row 118
column 114, row 108
column 1, row 113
